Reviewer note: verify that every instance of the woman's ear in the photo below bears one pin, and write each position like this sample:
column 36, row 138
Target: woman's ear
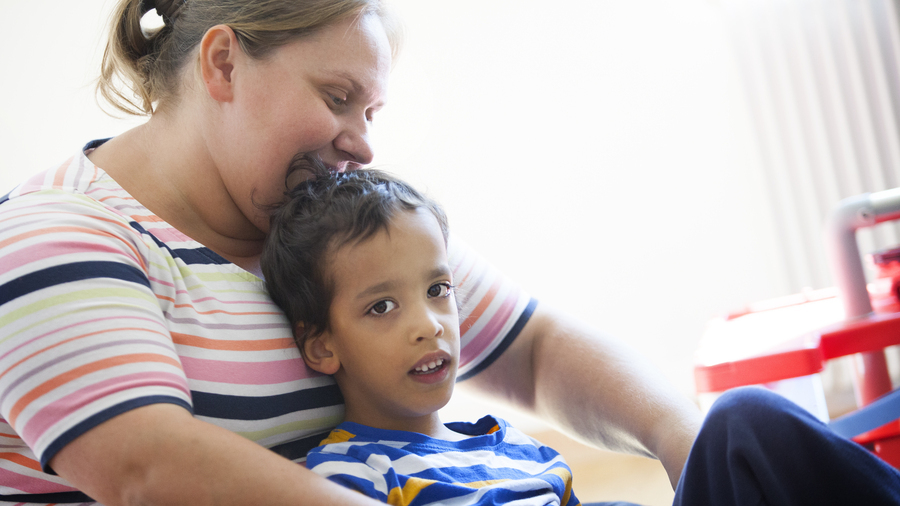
column 218, row 50
column 318, row 352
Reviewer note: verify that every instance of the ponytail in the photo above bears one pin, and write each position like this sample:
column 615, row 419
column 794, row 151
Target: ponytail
column 126, row 62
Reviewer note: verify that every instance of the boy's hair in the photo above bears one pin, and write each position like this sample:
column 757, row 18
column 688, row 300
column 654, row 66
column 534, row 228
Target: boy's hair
column 321, row 214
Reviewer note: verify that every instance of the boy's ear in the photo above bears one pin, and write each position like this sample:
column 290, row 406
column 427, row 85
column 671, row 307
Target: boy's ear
column 318, row 353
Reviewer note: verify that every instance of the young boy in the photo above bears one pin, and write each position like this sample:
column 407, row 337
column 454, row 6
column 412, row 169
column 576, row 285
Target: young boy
column 358, row 261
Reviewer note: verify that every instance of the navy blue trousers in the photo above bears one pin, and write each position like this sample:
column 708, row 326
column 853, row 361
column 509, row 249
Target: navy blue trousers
column 757, row 448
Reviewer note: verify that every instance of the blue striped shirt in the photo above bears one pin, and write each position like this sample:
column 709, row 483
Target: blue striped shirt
column 498, row 464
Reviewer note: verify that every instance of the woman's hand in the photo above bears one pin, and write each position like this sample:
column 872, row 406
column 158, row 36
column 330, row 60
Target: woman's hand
column 160, row 454
column 595, row 388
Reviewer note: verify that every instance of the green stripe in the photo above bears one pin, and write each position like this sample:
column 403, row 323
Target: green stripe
column 317, row 423
column 81, row 295
column 227, row 276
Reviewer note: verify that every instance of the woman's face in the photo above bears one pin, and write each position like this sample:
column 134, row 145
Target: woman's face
column 316, row 97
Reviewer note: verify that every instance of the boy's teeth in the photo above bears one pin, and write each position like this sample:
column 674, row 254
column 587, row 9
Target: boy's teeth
column 431, row 365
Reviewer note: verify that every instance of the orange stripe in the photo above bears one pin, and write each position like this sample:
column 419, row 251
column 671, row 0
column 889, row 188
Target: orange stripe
column 117, row 197
column 78, row 372
column 215, row 344
column 11, row 436
column 480, row 308
column 60, row 177
column 462, row 282
column 21, row 460
column 149, row 219
column 60, row 343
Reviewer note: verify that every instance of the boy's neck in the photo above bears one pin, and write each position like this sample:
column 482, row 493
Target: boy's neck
column 429, row 425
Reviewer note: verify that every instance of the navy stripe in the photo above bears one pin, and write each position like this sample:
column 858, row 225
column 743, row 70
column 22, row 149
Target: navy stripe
column 98, row 418
column 202, row 256
column 67, row 273
column 298, row 449
column 96, row 143
column 190, row 256
column 54, row 497
column 508, row 340
column 262, row 408
column 2, row 200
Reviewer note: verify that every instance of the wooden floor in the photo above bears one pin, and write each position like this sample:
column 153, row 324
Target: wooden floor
column 605, row 476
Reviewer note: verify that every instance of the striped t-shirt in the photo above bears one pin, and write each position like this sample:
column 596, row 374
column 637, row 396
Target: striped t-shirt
column 496, row 465
column 104, row 307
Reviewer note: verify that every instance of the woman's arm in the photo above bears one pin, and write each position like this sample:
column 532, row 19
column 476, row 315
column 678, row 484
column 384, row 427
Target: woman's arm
column 160, row 454
column 594, row 388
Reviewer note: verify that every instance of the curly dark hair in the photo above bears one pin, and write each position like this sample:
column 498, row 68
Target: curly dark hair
column 324, row 212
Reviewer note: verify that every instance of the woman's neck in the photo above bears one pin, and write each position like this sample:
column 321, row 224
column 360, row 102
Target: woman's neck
column 163, row 165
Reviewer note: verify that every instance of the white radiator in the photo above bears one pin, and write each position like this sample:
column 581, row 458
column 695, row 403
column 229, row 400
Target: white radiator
column 822, row 79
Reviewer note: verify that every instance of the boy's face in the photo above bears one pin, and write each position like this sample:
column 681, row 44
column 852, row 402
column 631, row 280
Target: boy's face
column 394, row 337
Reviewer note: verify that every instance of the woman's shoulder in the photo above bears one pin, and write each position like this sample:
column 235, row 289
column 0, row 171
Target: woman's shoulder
column 76, row 180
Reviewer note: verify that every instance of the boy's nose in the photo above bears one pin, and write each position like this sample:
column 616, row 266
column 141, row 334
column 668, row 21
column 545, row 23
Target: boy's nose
column 428, row 326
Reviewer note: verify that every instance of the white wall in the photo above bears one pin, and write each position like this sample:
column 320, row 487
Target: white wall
column 599, row 151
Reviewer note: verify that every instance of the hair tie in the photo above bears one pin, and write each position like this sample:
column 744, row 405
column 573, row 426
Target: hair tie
column 166, row 9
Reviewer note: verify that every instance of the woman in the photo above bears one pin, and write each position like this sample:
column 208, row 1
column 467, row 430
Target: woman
column 141, row 360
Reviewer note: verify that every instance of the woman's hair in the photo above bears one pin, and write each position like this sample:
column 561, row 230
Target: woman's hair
column 139, row 70
column 325, row 212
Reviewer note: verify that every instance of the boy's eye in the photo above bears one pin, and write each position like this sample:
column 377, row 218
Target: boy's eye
column 439, row 290
column 382, row 307
column 337, row 101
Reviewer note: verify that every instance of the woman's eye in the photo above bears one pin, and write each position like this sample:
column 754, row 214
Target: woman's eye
column 382, row 307
column 440, row 290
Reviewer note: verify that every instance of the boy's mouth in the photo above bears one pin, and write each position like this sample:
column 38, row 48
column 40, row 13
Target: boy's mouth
column 430, row 367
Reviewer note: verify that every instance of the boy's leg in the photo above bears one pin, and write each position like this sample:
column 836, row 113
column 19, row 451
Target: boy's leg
column 756, row 447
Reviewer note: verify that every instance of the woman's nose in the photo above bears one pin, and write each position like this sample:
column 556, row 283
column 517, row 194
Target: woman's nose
column 354, row 142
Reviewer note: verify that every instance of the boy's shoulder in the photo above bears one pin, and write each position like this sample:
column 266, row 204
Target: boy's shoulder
column 360, row 441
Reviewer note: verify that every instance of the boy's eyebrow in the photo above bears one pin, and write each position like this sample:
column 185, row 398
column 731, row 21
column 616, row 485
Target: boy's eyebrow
column 374, row 289
column 441, row 270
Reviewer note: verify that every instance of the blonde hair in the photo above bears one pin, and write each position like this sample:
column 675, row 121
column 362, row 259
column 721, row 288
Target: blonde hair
column 140, row 70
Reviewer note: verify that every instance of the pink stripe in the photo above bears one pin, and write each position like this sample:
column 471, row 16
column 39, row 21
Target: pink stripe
column 195, row 302
column 26, row 212
column 168, row 234
column 105, row 189
column 204, row 299
column 30, row 485
column 247, row 373
column 161, row 282
column 487, row 335
column 53, row 412
column 57, row 248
